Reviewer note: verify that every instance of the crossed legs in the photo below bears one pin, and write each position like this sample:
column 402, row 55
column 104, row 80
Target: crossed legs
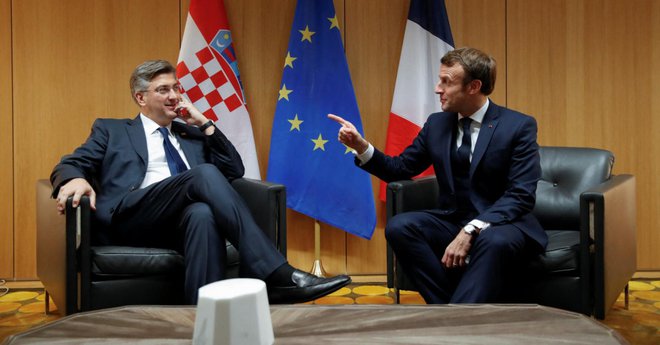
column 195, row 212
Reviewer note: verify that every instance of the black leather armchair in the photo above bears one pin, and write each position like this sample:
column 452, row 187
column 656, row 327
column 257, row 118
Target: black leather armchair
column 589, row 216
column 80, row 276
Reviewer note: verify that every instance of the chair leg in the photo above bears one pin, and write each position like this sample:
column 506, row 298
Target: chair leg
column 625, row 295
column 46, row 302
column 395, row 278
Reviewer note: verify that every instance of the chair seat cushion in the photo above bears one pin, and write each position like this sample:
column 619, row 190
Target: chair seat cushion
column 561, row 255
column 112, row 262
column 118, row 261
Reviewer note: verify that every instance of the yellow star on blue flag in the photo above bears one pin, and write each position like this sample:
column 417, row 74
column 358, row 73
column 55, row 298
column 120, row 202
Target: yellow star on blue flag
column 318, row 171
column 319, row 143
column 295, row 123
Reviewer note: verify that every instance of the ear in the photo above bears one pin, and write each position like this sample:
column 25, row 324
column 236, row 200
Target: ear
column 474, row 86
column 139, row 98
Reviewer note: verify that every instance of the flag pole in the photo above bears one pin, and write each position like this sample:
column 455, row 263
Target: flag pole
column 317, row 267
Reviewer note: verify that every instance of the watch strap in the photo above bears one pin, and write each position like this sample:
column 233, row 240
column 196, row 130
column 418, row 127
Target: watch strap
column 206, row 125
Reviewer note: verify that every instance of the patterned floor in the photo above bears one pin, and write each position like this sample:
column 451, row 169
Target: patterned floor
column 640, row 324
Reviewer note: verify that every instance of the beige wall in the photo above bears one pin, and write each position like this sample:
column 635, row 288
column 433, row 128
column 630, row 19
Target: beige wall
column 585, row 69
column 589, row 71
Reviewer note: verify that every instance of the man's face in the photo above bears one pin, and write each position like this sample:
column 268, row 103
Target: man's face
column 453, row 94
column 159, row 102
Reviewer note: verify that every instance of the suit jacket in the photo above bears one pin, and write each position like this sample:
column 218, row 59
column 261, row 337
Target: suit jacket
column 504, row 171
column 114, row 159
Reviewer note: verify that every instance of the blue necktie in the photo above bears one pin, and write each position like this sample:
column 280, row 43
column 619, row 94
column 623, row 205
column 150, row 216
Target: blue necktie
column 174, row 161
column 466, row 143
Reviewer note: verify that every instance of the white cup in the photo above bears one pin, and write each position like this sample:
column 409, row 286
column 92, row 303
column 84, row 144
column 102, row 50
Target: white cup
column 233, row 312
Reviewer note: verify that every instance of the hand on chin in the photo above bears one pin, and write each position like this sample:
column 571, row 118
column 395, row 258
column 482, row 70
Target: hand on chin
column 171, row 113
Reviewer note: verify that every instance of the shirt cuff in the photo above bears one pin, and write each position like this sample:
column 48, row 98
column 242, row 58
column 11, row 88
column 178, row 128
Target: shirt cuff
column 480, row 224
column 365, row 156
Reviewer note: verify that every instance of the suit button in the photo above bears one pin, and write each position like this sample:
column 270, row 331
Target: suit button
column 131, row 189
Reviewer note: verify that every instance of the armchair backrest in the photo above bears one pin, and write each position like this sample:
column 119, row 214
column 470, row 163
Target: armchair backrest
column 566, row 173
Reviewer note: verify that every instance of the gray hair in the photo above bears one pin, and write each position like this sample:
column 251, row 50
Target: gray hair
column 146, row 72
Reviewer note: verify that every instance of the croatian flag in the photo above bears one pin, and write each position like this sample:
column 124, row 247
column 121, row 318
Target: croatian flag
column 208, row 73
column 426, row 40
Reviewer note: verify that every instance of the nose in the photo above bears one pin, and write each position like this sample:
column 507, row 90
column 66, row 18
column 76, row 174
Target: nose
column 438, row 89
column 173, row 93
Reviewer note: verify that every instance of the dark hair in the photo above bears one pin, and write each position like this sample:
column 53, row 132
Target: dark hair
column 477, row 65
column 146, row 72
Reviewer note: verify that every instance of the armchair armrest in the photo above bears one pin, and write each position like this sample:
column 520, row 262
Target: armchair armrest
column 404, row 196
column 267, row 202
column 58, row 237
column 51, row 245
column 608, row 217
column 411, row 195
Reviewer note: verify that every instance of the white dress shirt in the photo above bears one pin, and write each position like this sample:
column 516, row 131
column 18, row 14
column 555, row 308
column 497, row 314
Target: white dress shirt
column 157, row 168
column 475, row 127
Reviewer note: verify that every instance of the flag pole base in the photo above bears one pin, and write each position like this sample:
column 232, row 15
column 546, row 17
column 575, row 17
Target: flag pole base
column 317, row 269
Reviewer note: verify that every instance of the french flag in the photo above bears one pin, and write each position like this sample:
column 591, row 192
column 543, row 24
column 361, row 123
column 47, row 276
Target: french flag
column 427, row 38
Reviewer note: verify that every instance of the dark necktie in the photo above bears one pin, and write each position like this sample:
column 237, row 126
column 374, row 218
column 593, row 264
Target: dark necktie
column 466, row 142
column 174, row 161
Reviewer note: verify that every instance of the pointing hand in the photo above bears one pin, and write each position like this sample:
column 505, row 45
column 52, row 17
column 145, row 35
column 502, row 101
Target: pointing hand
column 349, row 136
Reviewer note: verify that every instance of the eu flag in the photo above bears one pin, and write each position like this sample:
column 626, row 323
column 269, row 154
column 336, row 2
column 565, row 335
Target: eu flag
column 317, row 170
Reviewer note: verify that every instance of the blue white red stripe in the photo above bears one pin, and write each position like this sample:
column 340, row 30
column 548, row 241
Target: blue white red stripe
column 427, row 38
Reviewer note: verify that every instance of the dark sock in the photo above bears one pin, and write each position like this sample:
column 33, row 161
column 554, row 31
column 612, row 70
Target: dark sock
column 281, row 276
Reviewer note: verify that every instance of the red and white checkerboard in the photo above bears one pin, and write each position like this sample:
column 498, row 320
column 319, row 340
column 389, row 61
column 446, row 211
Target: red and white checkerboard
column 205, row 83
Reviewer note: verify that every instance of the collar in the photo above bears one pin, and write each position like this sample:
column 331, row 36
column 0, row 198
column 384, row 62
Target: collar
column 150, row 126
column 478, row 115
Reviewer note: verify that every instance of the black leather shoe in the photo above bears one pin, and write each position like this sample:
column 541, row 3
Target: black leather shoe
column 306, row 287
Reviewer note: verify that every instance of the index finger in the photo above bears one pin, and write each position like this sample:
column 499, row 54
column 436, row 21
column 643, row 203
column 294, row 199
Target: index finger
column 337, row 119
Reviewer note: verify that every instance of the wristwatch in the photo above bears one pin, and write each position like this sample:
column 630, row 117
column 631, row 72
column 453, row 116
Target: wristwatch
column 206, row 125
column 471, row 230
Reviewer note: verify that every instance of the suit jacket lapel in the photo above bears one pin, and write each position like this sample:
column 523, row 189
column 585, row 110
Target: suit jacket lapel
column 135, row 131
column 485, row 135
column 186, row 145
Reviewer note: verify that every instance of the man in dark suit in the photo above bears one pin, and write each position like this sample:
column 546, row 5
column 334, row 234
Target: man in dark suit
column 153, row 181
column 487, row 165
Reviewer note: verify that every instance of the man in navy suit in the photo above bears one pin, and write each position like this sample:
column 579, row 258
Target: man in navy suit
column 487, row 165
column 153, row 181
